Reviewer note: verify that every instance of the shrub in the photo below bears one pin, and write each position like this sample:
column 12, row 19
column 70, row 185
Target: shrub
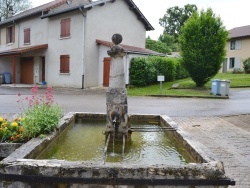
column 180, row 71
column 246, row 65
column 142, row 72
column 42, row 115
column 163, row 66
column 237, row 71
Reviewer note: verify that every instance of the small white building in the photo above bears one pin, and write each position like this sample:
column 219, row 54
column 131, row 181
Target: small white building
column 57, row 42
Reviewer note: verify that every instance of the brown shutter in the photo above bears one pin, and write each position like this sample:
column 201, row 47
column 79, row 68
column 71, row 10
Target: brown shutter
column 62, row 28
column 27, row 35
column 64, row 64
column 65, row 27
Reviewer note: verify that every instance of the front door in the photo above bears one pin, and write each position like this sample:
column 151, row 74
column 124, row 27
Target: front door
column 27, row 70
column 106, row 71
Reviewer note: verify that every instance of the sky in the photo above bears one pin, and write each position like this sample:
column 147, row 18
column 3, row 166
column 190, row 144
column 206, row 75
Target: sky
column 233, row 13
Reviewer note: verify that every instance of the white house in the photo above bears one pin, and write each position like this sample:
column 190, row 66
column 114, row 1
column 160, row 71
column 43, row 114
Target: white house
column 60, row 42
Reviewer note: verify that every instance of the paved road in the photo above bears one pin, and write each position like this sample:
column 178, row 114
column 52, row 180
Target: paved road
column 223, row 125
column 95, row 101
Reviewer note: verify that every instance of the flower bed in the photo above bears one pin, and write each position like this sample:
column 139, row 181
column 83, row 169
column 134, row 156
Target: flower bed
column 11, row 131
column 39, row 115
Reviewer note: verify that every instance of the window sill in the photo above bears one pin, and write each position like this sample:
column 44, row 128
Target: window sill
column 64, row 73
column 62, row 38
column 9, row 44
column 28, row 43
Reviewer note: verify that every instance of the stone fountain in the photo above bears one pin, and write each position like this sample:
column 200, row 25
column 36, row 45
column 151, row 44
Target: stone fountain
column 116, row 96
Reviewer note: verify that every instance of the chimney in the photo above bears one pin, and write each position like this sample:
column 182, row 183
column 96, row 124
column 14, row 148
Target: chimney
column 11, row 12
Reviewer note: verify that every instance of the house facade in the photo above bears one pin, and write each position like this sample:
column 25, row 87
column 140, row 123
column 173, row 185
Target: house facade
column 237, row 48
column 56, row 43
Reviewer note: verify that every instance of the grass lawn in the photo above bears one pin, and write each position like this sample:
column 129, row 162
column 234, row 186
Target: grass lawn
column 187, row 87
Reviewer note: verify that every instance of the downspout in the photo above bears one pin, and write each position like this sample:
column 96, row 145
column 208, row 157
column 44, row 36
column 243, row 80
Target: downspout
column 14, row 57
column 83, row 45
column 127, row 69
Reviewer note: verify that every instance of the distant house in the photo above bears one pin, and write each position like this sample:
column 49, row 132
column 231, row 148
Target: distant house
column 57, row 42
column 237, row 48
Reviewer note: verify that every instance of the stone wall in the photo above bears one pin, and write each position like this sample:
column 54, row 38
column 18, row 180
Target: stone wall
column 22, row 170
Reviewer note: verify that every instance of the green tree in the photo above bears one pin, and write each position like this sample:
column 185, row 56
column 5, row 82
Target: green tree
column 8, row 7
column 157, row 46
column 202, row 43
column 175, row 18
column 169, row 40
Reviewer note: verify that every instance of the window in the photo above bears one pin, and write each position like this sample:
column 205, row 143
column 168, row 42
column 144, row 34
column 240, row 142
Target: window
column 235, row 45
column 232, row 45
column 64, row 64
column 10, row 34
column 231, row 63
column 65, row 27
column 27, row 36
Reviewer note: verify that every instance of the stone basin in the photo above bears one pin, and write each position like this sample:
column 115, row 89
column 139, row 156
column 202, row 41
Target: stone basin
column 22, row 169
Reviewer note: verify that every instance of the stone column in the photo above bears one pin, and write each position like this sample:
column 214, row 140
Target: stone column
column 116, row 95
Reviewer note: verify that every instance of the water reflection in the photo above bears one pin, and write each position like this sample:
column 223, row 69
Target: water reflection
column 85, row 142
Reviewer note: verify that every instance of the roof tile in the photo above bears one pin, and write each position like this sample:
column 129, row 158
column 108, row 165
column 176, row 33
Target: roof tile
column 128, row 48
column 237, row 32
column 23, row 49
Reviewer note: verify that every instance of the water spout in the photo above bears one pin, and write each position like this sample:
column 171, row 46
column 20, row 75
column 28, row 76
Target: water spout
column 106, row 149
column 115, row 115
column 123, row 145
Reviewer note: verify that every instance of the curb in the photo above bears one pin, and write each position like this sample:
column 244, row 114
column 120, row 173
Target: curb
column 203, row 97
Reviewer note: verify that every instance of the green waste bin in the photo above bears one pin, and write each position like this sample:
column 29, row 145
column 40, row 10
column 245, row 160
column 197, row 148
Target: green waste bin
column 1, row 79
column 224, row 87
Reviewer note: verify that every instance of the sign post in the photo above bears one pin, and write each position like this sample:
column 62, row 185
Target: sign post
column 160, row 79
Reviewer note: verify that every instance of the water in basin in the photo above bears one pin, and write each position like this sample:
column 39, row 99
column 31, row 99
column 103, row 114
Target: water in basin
column 86, row 142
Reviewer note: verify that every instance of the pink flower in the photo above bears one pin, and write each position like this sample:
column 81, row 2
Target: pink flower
column 34, row 89
column 49, row 89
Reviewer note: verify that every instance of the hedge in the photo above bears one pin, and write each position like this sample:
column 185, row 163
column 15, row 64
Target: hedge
column 144, row 71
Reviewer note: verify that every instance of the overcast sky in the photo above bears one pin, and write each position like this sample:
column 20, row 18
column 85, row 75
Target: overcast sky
column 234, row 13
